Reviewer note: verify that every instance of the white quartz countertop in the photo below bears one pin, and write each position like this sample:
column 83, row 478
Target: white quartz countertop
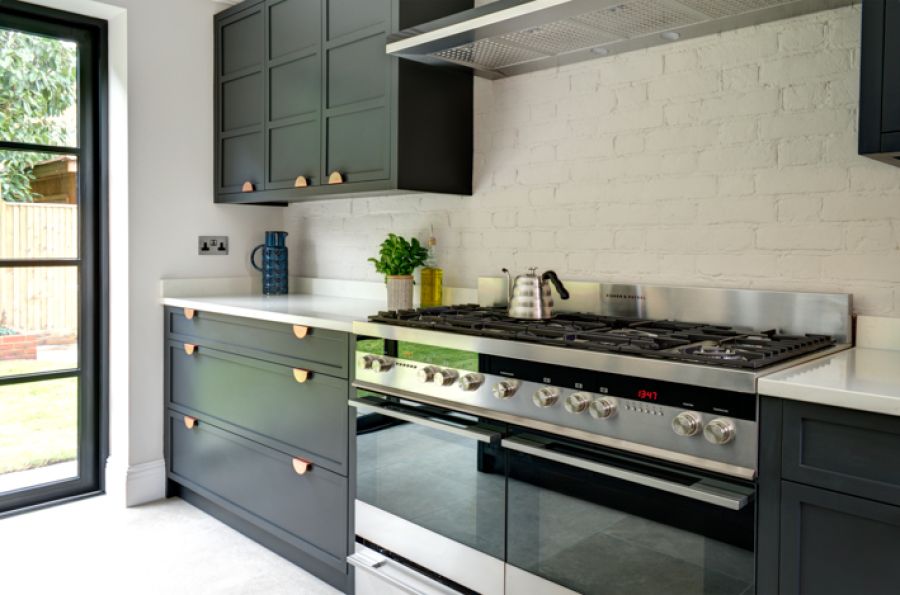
column 861, row 379
column 317, row 311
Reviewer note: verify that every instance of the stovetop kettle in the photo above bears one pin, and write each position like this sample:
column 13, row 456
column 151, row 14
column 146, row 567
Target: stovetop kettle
column 530, row 297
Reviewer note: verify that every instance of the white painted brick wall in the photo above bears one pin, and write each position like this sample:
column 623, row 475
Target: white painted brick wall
column 724, row 161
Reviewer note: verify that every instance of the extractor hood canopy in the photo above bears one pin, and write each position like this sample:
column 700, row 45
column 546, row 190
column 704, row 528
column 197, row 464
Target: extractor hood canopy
column 508, row 37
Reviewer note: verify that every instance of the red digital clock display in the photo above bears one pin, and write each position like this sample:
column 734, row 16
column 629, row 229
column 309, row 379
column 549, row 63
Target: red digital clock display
column 648, row 395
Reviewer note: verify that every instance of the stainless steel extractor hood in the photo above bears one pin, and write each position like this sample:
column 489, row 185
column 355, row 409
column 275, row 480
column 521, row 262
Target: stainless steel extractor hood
column 509, row 37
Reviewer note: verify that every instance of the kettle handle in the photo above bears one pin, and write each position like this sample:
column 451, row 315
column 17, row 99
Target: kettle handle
column 560, row 288
column 253, row 257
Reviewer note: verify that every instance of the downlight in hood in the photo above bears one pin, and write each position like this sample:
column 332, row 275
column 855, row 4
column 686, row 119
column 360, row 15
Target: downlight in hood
column 508, row 37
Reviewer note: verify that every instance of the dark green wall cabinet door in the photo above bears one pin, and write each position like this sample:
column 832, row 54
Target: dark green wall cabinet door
column 294, row 67
column 240, row 95
column 879, row 94
column 307, row 95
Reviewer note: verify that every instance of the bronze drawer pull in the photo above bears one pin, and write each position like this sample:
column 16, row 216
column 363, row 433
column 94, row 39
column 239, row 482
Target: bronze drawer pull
column 301, row 467
column 301, row 331
column 301, row 182
column 336, row 178
column 189, row 313
column 301, row 376
column 190, row 348
column 190, row 422
column 247, row 187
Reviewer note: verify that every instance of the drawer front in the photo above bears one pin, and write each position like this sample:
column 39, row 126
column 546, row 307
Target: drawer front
column 319, row 351
column 839, row 449
column 264, row 402
column 309, row 511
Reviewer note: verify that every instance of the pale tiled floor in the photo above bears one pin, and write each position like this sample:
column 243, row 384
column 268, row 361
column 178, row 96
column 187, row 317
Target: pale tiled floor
column 93, row 546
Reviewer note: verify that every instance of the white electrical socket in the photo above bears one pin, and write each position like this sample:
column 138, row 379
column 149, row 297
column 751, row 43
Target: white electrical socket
column 212, row 246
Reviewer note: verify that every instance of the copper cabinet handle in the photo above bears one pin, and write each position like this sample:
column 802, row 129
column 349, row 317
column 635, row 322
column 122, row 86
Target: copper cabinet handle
column 336, row 178
column 190, row 422
column 301, row 467
column 190, row 348
column 301, row 331
column 247, row 187
column 301, row 376
column 189, row 313
column 301, row 182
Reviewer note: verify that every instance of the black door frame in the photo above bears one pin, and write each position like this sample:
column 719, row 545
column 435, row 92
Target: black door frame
column 93, row 371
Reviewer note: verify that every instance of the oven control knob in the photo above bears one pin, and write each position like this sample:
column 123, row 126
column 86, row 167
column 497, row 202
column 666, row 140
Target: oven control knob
column 720, row 431
column 470, row 382
column 604, row 408
column 578, row 402
column 445, row 377
column 427, row 373
column 382, row 364
column 546, row 396
column 365, row 362
column 687, row 424
column 505, row 389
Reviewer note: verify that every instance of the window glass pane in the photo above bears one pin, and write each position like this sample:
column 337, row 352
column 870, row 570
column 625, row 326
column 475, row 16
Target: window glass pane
column 38, row 320
column 38, row 433
column 38, row 205
column 38, row 89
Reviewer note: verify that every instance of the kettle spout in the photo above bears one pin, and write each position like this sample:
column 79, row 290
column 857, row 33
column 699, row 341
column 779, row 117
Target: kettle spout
column 509, row 284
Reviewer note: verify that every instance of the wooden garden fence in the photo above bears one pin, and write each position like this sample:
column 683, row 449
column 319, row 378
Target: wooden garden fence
column 39, row 299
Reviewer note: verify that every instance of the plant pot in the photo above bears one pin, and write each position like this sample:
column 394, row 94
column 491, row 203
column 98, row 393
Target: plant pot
column 399, row 292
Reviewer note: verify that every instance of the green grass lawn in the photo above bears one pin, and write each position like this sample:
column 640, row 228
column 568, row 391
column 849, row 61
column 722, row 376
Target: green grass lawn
column 38, row 421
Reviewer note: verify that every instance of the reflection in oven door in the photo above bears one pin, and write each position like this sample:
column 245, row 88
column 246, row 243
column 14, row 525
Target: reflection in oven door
column 435, row 469
column 600, row 522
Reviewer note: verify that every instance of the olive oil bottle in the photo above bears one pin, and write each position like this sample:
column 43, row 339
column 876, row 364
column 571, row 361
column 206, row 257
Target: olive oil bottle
column 432, row 279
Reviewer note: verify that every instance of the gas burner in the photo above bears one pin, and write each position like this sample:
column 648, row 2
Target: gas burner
column 633, row 332
column 714, row 351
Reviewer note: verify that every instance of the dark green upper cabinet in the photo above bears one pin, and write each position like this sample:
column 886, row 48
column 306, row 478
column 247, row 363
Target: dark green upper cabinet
column 310, row 106
column 240, row 87
column 294, row 73
column 879, row 94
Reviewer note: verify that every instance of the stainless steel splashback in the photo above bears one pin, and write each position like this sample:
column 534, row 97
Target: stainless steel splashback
column 794, row 313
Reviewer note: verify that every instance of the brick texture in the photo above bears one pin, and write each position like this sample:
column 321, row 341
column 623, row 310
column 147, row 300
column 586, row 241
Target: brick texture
column 723, row 161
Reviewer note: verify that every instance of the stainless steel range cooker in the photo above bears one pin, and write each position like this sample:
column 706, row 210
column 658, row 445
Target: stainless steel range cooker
column 608, row 451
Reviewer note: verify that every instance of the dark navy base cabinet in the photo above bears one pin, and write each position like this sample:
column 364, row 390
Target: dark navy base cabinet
column 257, row 433
column 309, row 105
column 829, row 501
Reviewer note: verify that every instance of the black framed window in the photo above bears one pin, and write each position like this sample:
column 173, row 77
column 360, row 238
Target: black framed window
column 53, row 278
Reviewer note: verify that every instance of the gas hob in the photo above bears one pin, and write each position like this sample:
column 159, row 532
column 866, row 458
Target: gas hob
column 689, row 342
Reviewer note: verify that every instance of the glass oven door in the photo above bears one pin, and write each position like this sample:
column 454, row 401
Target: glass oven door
column 596, row 521
column 435, row 468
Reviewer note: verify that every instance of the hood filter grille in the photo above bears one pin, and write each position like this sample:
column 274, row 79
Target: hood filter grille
column 608, row 26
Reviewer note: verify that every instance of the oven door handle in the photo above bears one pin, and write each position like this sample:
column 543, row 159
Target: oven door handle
column 473, row 433
column 701, row 490
column 370, row 564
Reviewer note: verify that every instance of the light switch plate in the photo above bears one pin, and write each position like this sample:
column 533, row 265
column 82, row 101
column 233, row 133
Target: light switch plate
column 212, row 246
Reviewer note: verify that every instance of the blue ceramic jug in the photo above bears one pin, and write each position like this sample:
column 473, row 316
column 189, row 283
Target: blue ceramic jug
column 274, row 267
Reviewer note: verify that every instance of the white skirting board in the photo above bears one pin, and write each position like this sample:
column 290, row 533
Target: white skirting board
column 133, row 485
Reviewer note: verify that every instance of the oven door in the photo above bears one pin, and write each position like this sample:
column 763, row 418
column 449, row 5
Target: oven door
column 598, row 521
column 431, row 488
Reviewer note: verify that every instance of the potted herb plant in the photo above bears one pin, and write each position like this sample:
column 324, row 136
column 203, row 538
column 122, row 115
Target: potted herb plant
column 398, row 258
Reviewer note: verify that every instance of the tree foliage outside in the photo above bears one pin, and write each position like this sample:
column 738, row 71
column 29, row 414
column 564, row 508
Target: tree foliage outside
column 38, row 90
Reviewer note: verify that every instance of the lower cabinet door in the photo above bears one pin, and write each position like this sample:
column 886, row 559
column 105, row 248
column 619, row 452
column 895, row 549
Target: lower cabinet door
column 263, row 486
column 264, row 402
column 833, row 544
